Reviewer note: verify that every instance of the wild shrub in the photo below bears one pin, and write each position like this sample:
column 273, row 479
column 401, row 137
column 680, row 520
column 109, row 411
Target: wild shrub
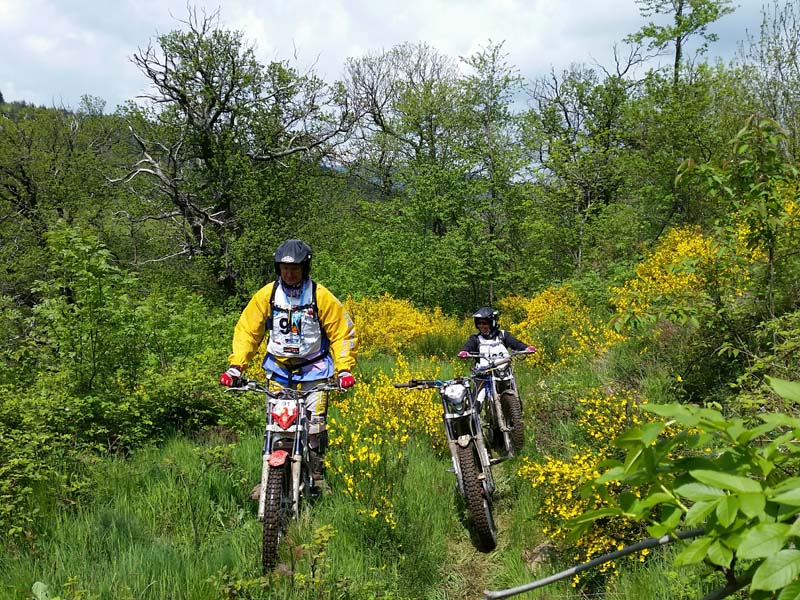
column 775, row 352
column 734, row 486
column 558, row 324
column 369, row 434
column 690, row 297
column 559, row 481
column 685, row 278
column 394, row 326
column 41, row 461
column 111, row 372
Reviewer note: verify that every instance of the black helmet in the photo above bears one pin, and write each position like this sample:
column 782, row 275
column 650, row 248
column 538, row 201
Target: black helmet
column 486, row 313
column 293, row 252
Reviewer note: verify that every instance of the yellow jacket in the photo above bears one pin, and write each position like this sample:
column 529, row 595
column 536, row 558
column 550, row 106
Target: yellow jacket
column 334, row 320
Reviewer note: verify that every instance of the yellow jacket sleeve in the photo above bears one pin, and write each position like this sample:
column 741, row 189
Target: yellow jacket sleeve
column 249, row 330
column 339, row 328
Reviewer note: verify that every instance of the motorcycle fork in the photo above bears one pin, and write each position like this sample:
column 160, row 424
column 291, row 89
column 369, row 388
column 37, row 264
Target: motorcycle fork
column 298, row 449
column 497, row 408
column 483, row 456
column 265, row 452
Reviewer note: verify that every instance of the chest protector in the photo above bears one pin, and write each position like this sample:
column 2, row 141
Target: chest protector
column 491, row 347
column 294, row 327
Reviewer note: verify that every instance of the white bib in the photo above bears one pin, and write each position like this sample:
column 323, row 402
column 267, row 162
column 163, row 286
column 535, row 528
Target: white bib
column 296, row 330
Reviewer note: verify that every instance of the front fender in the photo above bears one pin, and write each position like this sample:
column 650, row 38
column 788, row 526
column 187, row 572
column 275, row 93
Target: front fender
column 277, row 458
column 464, row 440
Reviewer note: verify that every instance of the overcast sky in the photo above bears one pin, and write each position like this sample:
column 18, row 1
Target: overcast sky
column 54, row 51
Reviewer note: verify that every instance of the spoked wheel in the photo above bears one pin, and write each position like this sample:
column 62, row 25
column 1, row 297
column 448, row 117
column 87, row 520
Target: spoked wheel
column 479, row 503
column 276, row 515
column 512, row 413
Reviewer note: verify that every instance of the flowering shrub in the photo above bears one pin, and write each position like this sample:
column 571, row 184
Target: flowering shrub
column 368, row 438
column 601, row 418
column 559, row 325
column 684, row 274
column 390, row 325
column 791, row 191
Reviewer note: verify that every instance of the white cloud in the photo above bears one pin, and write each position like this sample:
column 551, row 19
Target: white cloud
column 62, row 49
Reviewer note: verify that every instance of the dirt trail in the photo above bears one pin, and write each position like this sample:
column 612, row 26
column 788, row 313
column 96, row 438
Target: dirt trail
column 471, row 571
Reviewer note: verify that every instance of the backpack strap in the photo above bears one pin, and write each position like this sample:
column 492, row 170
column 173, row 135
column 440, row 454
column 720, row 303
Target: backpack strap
column 314, row 298
column 275, row 285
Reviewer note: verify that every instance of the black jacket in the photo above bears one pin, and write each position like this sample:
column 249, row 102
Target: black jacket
column 508, row 340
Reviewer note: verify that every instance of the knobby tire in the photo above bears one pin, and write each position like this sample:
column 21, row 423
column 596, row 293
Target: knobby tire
column 275, row 515
column 512, row 413
column 478, row 504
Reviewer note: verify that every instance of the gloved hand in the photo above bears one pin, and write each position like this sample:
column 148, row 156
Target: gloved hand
column 232, row 377
column 463, row 354
column 346, row 379
column 531, row 348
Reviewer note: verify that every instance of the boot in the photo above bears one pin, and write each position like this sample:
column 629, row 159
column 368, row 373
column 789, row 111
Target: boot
column 317, row 444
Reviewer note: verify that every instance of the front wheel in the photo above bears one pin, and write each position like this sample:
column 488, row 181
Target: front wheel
column 276, row 515
column 479, row 502
column 512, row 415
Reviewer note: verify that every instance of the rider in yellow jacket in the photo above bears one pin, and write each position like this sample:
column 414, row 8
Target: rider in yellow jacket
column 310, row 337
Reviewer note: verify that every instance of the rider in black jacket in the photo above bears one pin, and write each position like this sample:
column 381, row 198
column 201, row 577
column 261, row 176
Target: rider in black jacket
column 490, row 341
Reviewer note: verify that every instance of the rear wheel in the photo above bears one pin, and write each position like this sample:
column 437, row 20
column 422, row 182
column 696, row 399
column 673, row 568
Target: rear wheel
column 479, row 503
column 276, row 515
column 512, row 414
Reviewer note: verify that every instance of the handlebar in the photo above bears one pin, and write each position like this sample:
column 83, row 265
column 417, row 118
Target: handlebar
column 424, row 384
column 495, row 362
column 489, row 358
column 252, row 385
column 421, row 384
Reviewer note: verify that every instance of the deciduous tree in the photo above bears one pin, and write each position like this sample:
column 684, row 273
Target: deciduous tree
column 689, row 18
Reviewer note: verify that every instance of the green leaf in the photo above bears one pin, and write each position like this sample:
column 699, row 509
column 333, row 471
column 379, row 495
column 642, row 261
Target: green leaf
column 613, row 474
column 698, row 492
column 640, row 436
column 727, row 509
column 785, row 389
column 720, row 554
column 679, row 412
column 777, row 571
column 752, row 504
column 726, row 481
column 750, row 434
column 763, row 540
column 699, row 511
column 781, row 420
column 795, row 528
column 656, row 498
column 593, row 515
column 670, row 516
column 790, row 592
column 694, row 553
column 789, row 497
